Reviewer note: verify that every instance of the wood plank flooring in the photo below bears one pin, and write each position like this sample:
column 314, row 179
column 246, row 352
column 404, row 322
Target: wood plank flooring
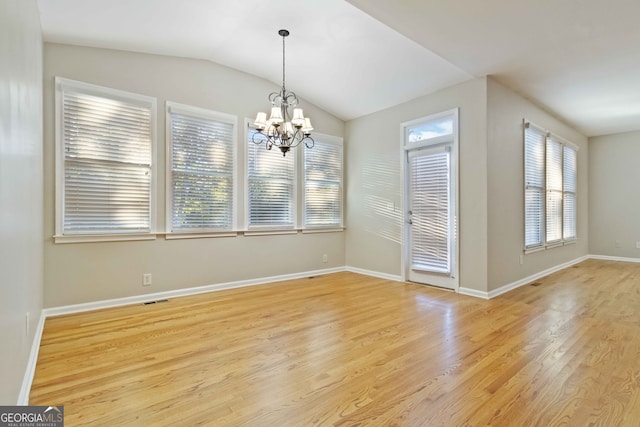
column 351, row 350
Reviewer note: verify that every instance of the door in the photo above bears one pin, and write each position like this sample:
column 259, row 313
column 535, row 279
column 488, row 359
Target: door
column 430, row 200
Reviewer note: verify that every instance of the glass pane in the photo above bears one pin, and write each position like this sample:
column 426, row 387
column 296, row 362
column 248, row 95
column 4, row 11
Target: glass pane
column 569, row 225
column 554, row 216
column 533, row 210
column 431, row 129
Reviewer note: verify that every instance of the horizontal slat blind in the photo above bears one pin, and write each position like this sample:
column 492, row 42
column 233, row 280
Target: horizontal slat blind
column 271, row 187
column 430, row 205
column 323, row 185
column 550, row 172
column 534, row 159
column 570, row 180
column 202, row 173
column 107, row 164
column 554, row 191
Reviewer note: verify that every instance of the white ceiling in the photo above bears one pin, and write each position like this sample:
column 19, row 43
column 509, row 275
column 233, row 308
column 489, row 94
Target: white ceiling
column 578, row 58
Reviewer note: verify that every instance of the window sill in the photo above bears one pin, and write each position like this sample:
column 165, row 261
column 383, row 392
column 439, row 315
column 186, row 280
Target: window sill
column 196, row 235
column 323, row 230
column 103, row 238
column 267, row 232
column 551, row 246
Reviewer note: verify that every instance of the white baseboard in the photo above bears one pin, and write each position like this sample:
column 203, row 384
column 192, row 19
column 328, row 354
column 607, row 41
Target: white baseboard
column 27, row 380
column 473, row 293
column 374, row 273
column 510, row 286
column 614, row 258
column 138, row 299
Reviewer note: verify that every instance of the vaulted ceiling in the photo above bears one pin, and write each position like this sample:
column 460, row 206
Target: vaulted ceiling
column 577, row 58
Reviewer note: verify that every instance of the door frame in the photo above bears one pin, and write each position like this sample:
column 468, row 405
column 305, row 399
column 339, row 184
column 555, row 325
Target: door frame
column 405, row 147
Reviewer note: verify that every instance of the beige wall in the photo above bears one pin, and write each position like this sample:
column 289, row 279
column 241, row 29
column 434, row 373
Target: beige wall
column 85, row 272
column 374, row 185
column 20, row 189
column 506, row 110
column 614, row 206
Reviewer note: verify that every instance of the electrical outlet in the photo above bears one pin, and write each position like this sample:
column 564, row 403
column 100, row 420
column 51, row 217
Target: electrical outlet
column 521, row 259
column 325, row 258
column 618, row 244
column 146, row 279
column 638, row 244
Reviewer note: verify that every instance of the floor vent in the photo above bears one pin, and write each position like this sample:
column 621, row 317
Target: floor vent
column 155, row 302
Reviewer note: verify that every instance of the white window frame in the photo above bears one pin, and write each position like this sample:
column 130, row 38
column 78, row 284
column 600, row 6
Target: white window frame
column 209, row 115
column 322, row 139
column 546, row 244
column 259, row 229
column 62, row 84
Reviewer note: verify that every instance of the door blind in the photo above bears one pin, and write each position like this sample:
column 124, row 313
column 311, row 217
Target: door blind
column 430, row 210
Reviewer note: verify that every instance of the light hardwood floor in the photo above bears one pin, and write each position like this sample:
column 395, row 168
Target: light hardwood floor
column 348, row 350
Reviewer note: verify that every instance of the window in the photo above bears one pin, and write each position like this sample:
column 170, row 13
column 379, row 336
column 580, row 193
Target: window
column 271, row 187
column 323, row 183
column 201, row 159
column 105, row 144
column 550, row 170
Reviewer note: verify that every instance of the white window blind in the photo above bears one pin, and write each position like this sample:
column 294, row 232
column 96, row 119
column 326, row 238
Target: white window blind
column 106, row 160
column 271, row 197
column 550, row 189
column 431, row 205
column 570, row 185
column 534, row 160
column 323, row 185
column 202, row 155
column 554, row 191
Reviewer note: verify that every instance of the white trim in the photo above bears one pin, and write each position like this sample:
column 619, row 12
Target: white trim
column 118, row 302
column 322, row 230
column 518, row 283
column 63, row 84
column 613, row 258
column 267, row 232
column 86, row 238
column 27, row 381
column 197, row 235
column 473, row 293
column 372, row 273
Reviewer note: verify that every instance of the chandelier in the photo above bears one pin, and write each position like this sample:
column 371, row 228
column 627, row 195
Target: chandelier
column 283, row 129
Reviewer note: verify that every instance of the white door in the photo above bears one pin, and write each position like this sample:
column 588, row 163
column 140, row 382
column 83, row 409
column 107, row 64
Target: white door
column 431, row 200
